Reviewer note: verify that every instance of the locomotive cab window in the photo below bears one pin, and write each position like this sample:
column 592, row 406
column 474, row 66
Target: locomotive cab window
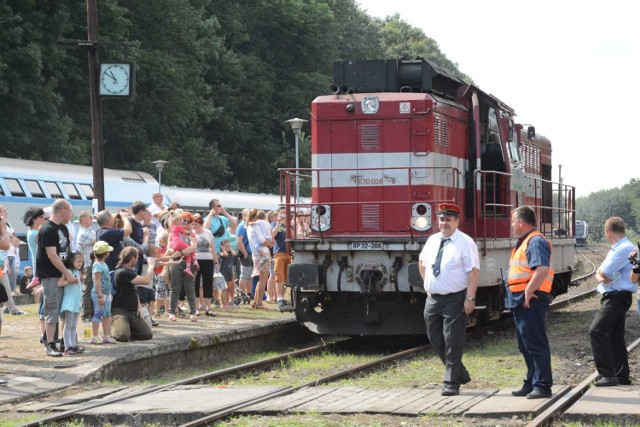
column 14, row 186
column 54, row 190
column 34, row 188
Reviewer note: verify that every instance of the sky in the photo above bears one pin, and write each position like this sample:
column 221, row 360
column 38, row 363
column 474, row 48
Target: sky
column 570, row 68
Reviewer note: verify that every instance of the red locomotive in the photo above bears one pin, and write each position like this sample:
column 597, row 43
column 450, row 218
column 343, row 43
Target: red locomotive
column 396, row 138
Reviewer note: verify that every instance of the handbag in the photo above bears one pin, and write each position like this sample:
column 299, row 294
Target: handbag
column 3, row 293
column 144, row 314
column 218, row 281
column 166, row 277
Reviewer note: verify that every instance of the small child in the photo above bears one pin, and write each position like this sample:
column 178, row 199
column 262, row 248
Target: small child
column 161, row 288
column 72, row 304
column 265, row 230
column 25, row 280
column 227, row 260
column 101, row 293
column 179, row 241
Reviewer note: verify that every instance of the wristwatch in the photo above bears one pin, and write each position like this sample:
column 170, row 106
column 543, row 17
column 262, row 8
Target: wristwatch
column 470, row 298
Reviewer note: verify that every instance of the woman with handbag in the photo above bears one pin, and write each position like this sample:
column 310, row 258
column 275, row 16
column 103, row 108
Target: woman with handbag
column 208, row 262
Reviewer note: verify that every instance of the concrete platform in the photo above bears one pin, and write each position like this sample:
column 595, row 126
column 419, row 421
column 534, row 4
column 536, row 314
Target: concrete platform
column 30, row 373
column 620, row 405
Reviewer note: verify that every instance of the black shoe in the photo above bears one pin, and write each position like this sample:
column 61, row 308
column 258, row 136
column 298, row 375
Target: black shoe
column 209, row 313
column 526, row 389
column 450, row 391
column 539, row 394
column 154, row 323
column 624, row 381
column 52, row 351
column 465, row 378
column 17, row 312
column 607, row 382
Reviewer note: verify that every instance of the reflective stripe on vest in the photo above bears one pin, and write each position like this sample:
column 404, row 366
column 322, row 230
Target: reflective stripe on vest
column 519, row 271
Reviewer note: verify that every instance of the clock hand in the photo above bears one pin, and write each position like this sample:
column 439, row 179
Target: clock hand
column 110, row 74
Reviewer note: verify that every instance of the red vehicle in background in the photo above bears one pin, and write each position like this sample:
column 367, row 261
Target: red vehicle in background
column 396, row 138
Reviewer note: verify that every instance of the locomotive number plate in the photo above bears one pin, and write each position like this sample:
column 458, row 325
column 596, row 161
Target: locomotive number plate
column 366, row 246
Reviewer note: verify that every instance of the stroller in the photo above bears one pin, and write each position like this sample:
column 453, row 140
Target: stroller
column 240, row 297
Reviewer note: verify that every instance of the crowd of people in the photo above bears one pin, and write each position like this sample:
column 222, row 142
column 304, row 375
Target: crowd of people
column 144, row 264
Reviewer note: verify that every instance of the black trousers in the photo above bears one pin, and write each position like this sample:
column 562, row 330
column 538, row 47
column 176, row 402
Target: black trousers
column 446, row 323
column 607, row 335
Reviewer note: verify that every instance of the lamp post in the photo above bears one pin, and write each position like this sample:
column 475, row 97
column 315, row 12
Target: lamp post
column 296, row 125
column 160, row 165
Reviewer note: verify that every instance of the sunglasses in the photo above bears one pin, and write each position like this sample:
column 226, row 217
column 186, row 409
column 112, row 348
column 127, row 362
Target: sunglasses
column 186, row 221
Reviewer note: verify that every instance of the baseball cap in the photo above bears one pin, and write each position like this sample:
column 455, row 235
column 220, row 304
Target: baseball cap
column 101, row 247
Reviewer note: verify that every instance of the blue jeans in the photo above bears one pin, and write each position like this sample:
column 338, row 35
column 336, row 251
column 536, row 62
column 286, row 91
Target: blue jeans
column 533, row 342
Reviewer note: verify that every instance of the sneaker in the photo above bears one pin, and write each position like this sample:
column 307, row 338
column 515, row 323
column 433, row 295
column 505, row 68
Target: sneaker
column 96, row 340
column 216, row 304
column 52, row 351
column 6, row 310
column 17, row 312
column 108, row 340
column 154, row 323
column 70, row 352
column 79, row 348
column 283, row 305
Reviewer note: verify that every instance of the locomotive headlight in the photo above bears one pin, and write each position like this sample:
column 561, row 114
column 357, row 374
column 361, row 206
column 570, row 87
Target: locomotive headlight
column 421, row 216
column 370, row 104
column 320, row 217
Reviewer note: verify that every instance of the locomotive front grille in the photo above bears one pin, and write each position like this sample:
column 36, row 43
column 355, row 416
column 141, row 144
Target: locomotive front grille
column 371, row 217
column 370, row 136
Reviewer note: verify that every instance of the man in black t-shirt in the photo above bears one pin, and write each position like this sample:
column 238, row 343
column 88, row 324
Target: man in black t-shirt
column 54, row 248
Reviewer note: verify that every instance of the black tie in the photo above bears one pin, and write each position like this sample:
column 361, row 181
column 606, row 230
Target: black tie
column 436, row 265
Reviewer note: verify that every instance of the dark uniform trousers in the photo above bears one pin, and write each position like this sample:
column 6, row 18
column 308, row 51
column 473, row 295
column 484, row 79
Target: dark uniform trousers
column 446, row 323
column 607, row 335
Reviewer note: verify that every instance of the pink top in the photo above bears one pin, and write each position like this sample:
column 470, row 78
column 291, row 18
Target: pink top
column 176, row 241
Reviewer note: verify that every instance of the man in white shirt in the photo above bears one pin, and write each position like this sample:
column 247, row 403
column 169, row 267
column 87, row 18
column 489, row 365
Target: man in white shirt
column 450, row 265
column 155, row 208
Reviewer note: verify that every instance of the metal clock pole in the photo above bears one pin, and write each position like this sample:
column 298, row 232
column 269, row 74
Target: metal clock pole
column 96, row 112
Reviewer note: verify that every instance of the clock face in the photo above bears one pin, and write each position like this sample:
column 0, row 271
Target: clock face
column 115, row 79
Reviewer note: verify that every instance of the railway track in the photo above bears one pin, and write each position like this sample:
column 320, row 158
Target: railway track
column 562, row 403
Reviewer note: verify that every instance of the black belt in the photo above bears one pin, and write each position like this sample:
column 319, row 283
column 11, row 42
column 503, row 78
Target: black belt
column 608, row 293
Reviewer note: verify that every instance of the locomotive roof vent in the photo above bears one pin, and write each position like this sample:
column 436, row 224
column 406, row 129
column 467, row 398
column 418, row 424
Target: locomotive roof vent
column 394, row 75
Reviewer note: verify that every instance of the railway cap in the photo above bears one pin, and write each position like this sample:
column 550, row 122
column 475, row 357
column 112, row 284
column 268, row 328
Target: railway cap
column 101, row 247
column 448, row 209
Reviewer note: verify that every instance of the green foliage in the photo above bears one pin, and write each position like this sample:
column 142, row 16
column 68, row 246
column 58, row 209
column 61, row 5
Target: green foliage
column 215, row 81
column 597, row 207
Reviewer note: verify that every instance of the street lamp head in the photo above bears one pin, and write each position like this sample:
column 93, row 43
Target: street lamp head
column 160, row 164
column 296, row 124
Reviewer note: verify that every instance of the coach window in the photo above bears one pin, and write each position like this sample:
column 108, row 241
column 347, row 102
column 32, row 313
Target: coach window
column 72, row 191
column 54, row 190
column 15, row 188
column 34, row 188
column 87, row 190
